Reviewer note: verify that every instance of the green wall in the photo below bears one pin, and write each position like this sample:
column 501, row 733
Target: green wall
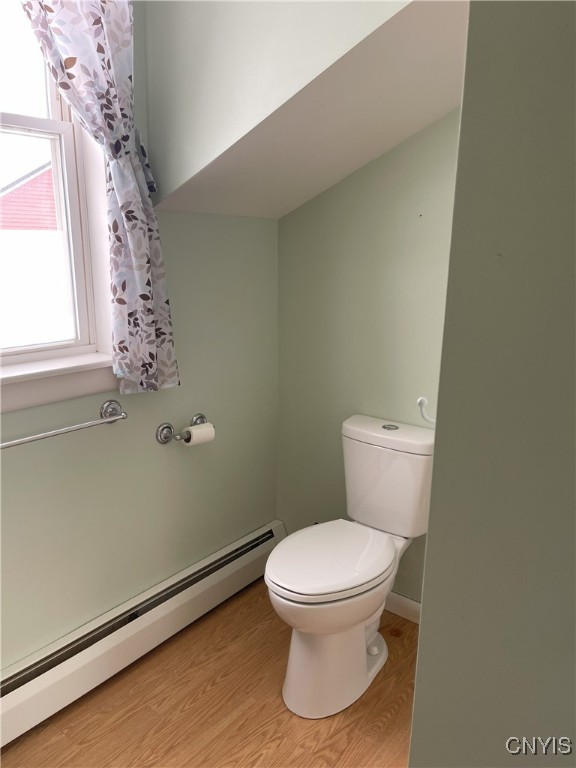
column 497, row 647
column 362, row 284
column 92, row 518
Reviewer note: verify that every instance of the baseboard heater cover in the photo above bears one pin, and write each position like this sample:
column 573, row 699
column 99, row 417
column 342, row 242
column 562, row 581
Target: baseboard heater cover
column 83, row 660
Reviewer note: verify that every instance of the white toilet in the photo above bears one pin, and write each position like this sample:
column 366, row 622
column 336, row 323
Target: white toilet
column 329, row 582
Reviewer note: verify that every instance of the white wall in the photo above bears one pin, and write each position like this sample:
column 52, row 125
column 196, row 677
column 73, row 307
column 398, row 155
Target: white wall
column 217, row 69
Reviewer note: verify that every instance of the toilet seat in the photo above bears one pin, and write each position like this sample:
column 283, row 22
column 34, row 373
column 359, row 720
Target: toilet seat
column 329, row 562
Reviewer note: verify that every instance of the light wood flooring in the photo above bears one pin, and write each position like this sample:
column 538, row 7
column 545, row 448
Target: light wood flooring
column 210, row 697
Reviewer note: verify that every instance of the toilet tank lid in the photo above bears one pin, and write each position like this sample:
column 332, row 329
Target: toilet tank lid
column 389, row 433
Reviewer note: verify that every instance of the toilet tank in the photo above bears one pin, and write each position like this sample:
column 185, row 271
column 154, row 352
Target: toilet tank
column 388, row 473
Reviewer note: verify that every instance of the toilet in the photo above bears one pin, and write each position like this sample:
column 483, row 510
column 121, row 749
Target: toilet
column 329, row 582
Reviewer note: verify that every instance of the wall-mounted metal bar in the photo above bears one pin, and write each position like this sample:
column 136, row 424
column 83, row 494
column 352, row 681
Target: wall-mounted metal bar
column 110, row 412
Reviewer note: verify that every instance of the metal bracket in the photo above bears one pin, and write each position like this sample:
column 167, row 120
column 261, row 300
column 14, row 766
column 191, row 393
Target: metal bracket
column 110, row 409
column 165, row 433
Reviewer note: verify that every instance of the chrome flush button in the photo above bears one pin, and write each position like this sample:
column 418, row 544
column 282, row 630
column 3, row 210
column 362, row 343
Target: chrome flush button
column 390, row 426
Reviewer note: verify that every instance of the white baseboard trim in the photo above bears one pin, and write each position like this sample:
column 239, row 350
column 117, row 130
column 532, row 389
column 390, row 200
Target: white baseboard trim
column 403, row 606
column 41, row 697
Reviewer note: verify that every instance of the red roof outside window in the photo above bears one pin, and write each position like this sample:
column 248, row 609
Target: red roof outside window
column 29, row 203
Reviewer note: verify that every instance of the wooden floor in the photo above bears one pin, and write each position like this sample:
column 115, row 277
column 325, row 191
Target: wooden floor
column 210, row 697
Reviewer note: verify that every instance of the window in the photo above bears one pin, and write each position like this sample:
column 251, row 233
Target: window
column 50, row 323
column 44, row 302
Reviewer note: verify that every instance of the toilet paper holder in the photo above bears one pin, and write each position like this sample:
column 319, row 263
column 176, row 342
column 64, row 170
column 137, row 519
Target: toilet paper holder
column 166, row 432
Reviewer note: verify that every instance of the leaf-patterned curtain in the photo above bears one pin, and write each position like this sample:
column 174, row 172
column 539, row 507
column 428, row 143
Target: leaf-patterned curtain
column 87, row 46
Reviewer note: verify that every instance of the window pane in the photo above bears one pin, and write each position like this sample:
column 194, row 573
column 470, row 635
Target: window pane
column 22, row 68
column 37, row 304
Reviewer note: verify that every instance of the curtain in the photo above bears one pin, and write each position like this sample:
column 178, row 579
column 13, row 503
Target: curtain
column 87, row 46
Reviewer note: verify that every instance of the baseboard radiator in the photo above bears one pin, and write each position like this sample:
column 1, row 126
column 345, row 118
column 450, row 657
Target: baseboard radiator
column 39, row 686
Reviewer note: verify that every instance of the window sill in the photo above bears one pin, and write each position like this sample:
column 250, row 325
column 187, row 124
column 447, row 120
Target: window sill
column 25, row 385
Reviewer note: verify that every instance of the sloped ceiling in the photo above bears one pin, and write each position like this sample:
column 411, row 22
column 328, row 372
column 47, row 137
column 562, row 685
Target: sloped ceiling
column 401, row 78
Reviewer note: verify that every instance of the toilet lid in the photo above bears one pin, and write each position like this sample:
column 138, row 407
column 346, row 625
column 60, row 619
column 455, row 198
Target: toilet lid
column 330, row 561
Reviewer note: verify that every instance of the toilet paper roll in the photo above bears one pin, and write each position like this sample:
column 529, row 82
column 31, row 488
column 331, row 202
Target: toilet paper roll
column 202, row 433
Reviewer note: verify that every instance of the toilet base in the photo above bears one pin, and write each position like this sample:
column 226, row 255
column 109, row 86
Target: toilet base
column 328, row 672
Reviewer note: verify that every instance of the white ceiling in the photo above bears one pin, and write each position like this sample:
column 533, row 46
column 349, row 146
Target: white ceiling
column 401, row 78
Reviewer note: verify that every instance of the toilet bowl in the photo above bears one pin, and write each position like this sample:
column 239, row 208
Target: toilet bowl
column 329, row 582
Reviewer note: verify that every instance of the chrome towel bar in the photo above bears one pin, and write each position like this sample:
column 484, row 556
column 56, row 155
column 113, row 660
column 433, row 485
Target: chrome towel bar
column 110, row 412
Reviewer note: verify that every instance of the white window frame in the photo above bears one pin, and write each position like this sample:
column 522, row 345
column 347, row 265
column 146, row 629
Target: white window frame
column 64, row 170
column 53, row 372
